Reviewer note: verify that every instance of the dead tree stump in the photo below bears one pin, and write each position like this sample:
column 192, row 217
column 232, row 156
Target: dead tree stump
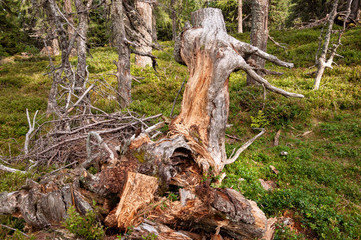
column 211, row 56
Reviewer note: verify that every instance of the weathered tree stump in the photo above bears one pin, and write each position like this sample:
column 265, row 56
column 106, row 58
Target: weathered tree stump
column 211, row 56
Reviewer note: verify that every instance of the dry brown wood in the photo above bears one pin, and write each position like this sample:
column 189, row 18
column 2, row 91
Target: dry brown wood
column 137, row 193
column 211, row 56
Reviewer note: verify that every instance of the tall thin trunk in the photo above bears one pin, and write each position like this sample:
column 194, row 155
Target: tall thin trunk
column 123, row 65
column 355, row 10
column 322, row 59
column 83, row 16
column 68, row 11
column 259, row 32
column 240, row 22
column 154, row 26
column 174, row 19
column 145, row 11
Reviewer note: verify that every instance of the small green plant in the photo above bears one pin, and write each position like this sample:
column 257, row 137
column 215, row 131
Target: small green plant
column 86, row 227
column 260, row 121
column 150, row 236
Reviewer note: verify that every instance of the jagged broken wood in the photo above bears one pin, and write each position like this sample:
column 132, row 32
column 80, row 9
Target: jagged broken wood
column 211, row 55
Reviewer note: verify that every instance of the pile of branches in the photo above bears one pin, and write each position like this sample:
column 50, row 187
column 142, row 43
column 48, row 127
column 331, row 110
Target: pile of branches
column 77, row 138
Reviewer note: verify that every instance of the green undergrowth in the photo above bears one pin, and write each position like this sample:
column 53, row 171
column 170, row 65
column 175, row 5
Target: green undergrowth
column 320, row 177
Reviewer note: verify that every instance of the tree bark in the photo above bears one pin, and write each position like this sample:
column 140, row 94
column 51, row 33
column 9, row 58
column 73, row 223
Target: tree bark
column 124, row 78
column 174, row 19
column 83, row 18
column 259, row 32
column 240, row 20
column 68, row 11
column 355, row 10
column 145, row 11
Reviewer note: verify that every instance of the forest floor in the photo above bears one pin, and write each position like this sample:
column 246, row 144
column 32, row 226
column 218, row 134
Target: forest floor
column 316, row 186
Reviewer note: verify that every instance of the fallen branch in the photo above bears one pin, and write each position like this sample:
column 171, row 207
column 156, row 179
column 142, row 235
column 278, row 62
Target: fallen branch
column 276, row 43
column 101, row 143
column 8, row 169
column 244, row 147
column 16, row 230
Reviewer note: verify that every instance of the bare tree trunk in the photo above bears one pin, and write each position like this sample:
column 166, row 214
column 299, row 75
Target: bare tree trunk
column 82, row 30
column 51, row 8
column 68, row 11
column 240, row 20
column 145, row 11
column 321, row 61
column 174, row 20
column 259, row 32
column 211, row 56
column 154, row 26
column 123, row 65
column 355, row 10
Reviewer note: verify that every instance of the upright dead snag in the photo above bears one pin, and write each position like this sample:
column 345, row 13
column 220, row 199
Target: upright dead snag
column 211, row 56
column 321, row 62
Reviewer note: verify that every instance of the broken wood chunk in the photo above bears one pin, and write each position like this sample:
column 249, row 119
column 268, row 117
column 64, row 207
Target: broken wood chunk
column 157, row 231
column 138, row 192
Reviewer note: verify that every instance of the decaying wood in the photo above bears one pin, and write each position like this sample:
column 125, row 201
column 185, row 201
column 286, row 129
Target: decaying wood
column 277, row 138
column 137, row 193
column 211, row 56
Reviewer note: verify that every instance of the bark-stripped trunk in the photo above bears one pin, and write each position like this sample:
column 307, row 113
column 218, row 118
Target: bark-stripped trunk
column 83, row 16
column 211, row 56
column 240, row 20
column 145, row 11
column 124, row 78
column 259, row 32
column 322, row 62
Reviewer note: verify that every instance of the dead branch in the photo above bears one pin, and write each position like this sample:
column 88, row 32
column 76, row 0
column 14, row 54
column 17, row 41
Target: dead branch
column 8, row 169
column 276, row 43
column 244, row 147
column 101, row 143
column 175, row 100
column 31, row 129
column 315, row 23
column 13, row 229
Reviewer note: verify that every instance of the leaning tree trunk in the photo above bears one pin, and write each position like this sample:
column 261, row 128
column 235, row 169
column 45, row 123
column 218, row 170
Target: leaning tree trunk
column 145, row 11
column 124, row 78
column 259, row 32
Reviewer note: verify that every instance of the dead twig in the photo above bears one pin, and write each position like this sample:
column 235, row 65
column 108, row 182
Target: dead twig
column 244, row 147
column 175, row 100
column 9, row 169
column 10, row 228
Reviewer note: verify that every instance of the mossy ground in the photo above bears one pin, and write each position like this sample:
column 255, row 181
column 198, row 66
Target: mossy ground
column 320, row 178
